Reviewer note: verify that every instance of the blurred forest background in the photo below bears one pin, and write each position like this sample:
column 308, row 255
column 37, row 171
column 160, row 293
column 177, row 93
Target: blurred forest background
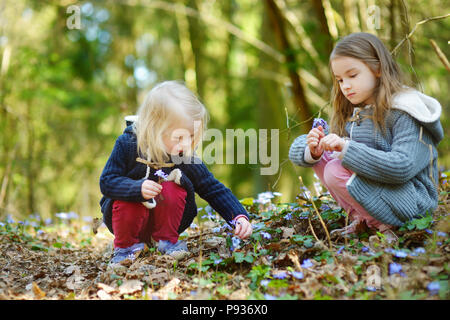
column 255, row 64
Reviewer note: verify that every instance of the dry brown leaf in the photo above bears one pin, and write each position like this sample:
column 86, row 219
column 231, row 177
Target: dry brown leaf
column 106, row 288
column 163, row 293
column 130, row 286
column 103, row 295
column 287, row 232
column 38, row 293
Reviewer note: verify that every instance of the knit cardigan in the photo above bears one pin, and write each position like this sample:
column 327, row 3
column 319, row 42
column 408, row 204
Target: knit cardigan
column 122, row 178
column 395, row 174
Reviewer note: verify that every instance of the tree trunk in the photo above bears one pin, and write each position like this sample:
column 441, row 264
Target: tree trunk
column 198, row 40
column 326, row 34
column 298, row 92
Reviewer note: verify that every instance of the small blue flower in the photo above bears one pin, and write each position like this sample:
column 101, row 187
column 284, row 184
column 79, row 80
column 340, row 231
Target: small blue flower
column 324, row 207
column 370, row 288
column 297, row 274
column 216, row 230
column 340, row 250
column 269, row 297
column 280, row 275
column 217, row 261
column 264, row 282
column 193, row 226
column 235, row 242
column 395, row 268
column 307, row 264
column 433, row 287
column 400, row 254
column 429, row 231
column 364, row 249
column 439, row 243
column 2, row 224
column 266, row 235
column 419, row 250
column 161, row 174
column 320, row 122
column 288, row 216
column 441, row 234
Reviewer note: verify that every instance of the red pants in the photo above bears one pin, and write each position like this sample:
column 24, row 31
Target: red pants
column 132, row 222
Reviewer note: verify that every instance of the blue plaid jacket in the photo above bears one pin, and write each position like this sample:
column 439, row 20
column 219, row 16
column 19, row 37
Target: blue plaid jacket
column 123, row 176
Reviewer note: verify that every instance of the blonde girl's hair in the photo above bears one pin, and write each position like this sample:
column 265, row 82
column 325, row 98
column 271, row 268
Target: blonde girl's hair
column 369, row 49
column 163, row 105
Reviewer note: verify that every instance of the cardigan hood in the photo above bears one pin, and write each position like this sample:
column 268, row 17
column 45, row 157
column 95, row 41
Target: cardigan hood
column 423, row 108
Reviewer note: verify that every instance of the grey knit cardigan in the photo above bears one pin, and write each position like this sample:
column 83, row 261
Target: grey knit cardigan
column 395, row 174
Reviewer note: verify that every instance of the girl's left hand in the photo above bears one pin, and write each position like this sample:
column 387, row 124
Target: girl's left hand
column 332, row 142
column 244, row 228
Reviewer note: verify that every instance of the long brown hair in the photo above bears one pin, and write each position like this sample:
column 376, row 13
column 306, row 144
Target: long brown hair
column 369, row 49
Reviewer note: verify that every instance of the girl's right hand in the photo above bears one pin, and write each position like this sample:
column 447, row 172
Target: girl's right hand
column 313, row 139
column 150, row 189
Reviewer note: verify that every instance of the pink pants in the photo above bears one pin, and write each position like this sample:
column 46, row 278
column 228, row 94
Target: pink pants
column 334, row 176
column 132, row 222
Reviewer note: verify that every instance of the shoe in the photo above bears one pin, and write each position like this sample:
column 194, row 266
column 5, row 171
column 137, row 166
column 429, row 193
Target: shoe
column 120, row 255
column 176, row 250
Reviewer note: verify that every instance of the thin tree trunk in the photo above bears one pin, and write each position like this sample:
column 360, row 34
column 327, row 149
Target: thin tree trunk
column 198, row 40
column 392, row 22
column 30, row 160
column 327, row 37
column 298, row 92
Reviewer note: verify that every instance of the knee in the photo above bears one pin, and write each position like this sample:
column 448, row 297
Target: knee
column 335, row 174
column 173, row 192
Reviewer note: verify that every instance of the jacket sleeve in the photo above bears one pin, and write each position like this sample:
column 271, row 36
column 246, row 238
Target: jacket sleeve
column 297, row 152
column 219, row 197
column 114, row 183
column 408, row 156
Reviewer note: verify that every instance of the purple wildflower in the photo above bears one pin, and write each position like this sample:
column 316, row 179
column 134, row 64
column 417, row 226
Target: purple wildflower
column 340, row 250
column 269, row 297
column 419, row 250
column 266, row 235
column 433, row 287
column 161, row 174
column 364, row 249
column 400, row 254
column 307, row 264
column 297, row 274
column 396, row 268
column 370, row 288
column 264, row 282
column 235, row 242
column 320, row 122
column 280, row 275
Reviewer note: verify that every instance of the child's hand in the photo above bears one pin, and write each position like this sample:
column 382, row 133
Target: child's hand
column 244, row 228
column 332, row 142
column 313, row 140
column 150, row 189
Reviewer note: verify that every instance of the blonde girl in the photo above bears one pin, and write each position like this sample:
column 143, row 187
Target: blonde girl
column 150, row 180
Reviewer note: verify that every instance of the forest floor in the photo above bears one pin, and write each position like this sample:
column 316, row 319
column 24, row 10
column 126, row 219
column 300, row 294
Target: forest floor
column 65, row 259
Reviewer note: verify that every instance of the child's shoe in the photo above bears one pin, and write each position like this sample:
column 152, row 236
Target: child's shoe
column 176, row 250
column 120, row 255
